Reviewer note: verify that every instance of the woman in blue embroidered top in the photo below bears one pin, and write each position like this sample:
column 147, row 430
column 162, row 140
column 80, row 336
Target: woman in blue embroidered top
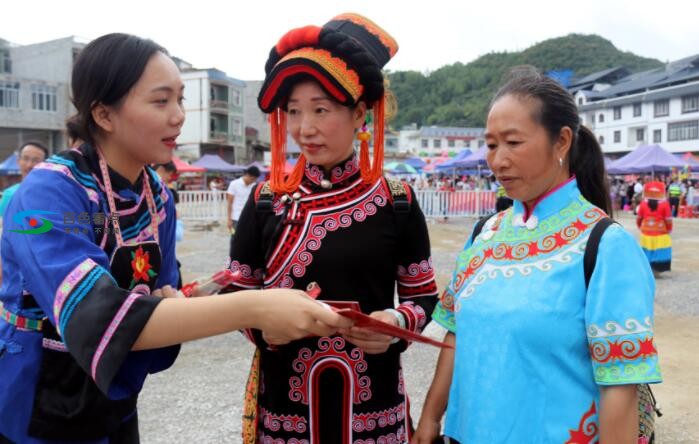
column 88, row 255
column 540, row 357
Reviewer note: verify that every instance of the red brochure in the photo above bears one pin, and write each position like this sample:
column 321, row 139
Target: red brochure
column 365, row 321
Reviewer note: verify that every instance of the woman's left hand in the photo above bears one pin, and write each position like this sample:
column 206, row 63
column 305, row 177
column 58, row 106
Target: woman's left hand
column 369, row 341
column 166, row 292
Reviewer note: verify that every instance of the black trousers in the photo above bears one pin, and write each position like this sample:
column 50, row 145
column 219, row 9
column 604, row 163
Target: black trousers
column 674, row 205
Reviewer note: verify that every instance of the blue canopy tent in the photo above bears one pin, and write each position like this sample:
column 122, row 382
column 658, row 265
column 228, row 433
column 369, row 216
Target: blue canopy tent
column 475, row 159
column 452, row 164
column 9, row 166
column 400, row 168
column 689, row 161
column 415, row 162
column 646, row 159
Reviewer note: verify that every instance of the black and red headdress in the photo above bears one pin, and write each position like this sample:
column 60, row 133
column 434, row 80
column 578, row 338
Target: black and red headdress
column 345, row 57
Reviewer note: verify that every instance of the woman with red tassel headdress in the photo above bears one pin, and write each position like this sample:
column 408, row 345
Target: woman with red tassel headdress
column 336, row 221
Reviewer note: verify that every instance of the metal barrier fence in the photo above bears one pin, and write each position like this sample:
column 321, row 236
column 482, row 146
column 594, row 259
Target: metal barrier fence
column 202, row 205
column 473, row 203
column 211, row 205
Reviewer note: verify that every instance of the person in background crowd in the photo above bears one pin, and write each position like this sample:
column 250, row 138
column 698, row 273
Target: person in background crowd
column 29, row 155
column 637, row 194
column 674, row 195
column 167, row 171
column 654, row 219
column 237, row 196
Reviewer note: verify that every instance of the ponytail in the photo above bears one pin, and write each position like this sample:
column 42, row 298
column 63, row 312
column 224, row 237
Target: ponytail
column 587, row 163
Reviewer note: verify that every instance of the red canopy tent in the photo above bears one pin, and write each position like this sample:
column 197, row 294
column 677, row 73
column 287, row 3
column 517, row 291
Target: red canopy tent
column 184, row 167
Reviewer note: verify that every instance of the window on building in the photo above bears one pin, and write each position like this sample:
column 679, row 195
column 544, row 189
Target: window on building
column 593, row 119
column 690, row 104
column 640, row 135
column 236, row 97
column 661, row 108
column 688, row 130
column 9, row 94
column 437, row 143
column 617, row 112
column 5, row 61
column 580, row 100
column 451, row 143
column 601, row 140
column 237, row 127
column 43, row 98
column 617, row 136
column 425, row 143
column 657, row 136
column 601, row 118
column 637, row 107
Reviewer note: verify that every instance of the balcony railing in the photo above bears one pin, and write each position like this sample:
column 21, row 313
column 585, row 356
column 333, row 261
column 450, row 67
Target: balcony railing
column 219, row 104
column 218, row 136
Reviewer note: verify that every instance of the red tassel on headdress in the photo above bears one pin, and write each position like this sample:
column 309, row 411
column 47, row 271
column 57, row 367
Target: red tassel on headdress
column 279, row 181
column 372, row 171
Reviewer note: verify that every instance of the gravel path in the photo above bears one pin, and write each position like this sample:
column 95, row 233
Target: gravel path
column 199, row 399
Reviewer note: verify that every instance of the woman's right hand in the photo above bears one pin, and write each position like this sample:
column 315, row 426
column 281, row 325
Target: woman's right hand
column 285, row 315
column 427, row 432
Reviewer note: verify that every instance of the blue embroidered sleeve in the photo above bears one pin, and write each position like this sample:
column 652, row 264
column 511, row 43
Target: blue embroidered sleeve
column 619, row 313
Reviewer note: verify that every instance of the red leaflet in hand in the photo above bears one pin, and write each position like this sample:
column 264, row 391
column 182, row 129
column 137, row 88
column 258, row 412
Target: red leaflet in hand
column 364, row 321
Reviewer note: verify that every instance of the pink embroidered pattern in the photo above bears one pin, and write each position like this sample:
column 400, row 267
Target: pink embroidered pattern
column 414, row 315
column 289, row 423
column 69, row 284
column 417, row 280
column 107, row 336
column 416, row 274
column 314, row 173
column 248, row 277
column 392, row 438
column 329, row 348
column 366, row 422
column 266, row 439
column 54, row 345
column 344, row 172
column 357, row 211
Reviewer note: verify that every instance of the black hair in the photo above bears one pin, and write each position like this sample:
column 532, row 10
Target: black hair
column 653, row 204
column 104, row 72
column 168, row 166
column 36, row 144
column 253, row 171
column 557, row 109
column 73, row 130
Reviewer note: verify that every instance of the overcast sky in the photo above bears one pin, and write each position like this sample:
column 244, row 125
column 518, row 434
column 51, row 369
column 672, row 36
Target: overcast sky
column 236, row 36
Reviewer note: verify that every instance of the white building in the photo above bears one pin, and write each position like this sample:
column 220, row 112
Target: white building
column 35, row 92
column 214, row 107
column 659, row 106
column 433, row 140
